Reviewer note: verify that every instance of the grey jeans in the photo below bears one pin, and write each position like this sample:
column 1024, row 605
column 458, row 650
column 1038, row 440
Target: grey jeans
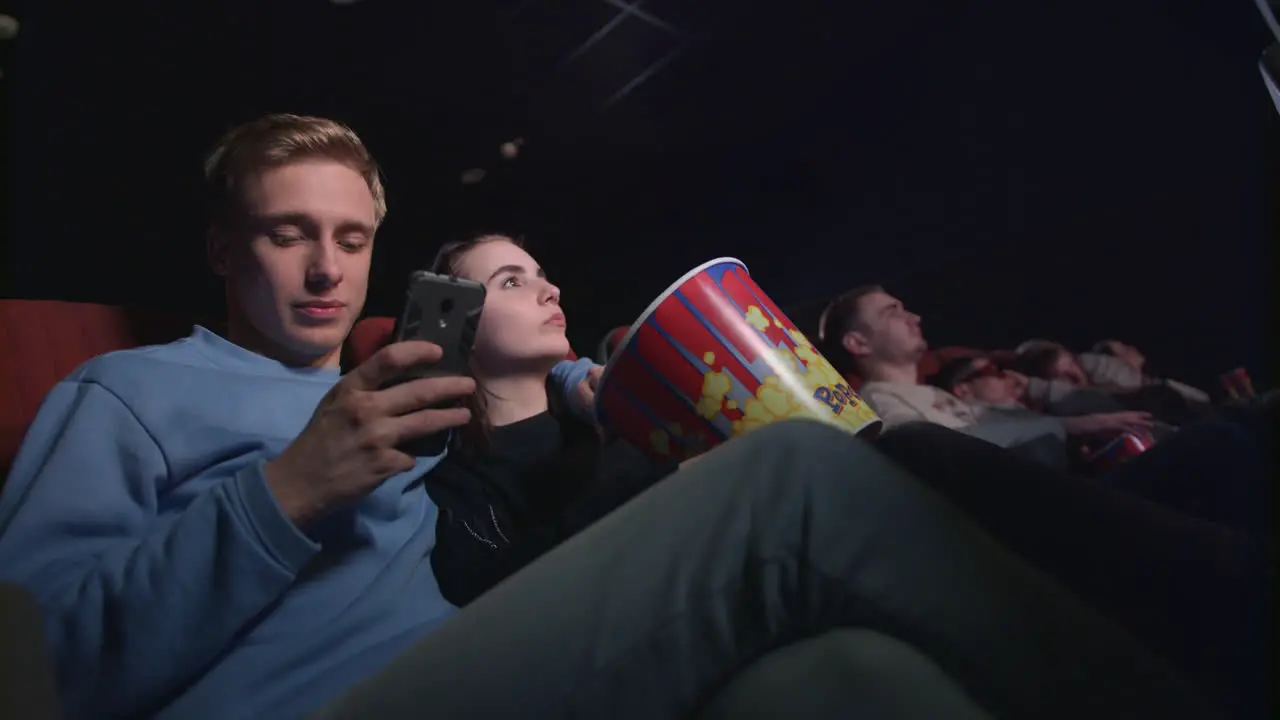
column 772, row 539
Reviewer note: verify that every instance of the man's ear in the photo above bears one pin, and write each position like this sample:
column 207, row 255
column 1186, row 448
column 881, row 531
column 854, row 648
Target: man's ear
column 218, row 251
column 855, row 343
column 962, row 391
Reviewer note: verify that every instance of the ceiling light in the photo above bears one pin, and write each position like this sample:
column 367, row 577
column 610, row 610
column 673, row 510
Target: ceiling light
column 8, row 27
column 511, row 148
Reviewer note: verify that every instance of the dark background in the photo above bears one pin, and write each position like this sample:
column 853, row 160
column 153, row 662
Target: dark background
column 1011, row 169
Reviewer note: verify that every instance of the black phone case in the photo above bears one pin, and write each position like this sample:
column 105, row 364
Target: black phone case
column 444, row 310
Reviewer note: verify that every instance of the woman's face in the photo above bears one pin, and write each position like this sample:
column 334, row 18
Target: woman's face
column 1066, row 368
column 522, row 328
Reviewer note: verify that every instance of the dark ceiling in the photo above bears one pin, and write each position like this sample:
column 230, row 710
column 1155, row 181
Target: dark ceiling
column 825, row 142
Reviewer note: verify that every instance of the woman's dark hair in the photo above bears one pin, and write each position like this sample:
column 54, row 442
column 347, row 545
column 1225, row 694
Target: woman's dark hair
column 473, row 439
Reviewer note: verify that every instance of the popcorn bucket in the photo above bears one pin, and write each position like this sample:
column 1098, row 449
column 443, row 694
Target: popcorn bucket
column 713, row 358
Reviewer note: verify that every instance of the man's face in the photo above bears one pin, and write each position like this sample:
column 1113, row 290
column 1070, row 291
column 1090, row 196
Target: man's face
column 296, row 260
column 986, row 383
column 886, row 331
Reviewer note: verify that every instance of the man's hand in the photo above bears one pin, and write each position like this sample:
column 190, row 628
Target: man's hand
column 1018, row 384
column 584, row 396
column 1106, row 422
column 349, row 446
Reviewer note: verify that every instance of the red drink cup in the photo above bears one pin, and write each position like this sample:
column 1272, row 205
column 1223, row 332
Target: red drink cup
column 713, row 358
column 1246, row 384
column 1237, row 384
column 1124, row 446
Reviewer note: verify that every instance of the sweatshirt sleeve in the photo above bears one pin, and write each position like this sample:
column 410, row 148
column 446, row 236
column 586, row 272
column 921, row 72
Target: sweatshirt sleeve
column 136, row 603
column 567, row 375
column 1044, row 392
column 1108, row 370
column 1191, row 394
column 893, row 410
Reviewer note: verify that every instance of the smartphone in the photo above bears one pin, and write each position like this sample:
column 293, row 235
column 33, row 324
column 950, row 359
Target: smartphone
column 444, row 310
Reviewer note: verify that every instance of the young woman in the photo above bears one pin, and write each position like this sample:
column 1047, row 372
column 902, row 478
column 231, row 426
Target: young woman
column 524, row 475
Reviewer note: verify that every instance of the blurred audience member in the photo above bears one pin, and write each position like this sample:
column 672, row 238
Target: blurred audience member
column 978, row 381
column 996, row 394
column 870, row 332
column 1053, row 361
column 1125, row 353
column 1075, row 384
column 1130, row 356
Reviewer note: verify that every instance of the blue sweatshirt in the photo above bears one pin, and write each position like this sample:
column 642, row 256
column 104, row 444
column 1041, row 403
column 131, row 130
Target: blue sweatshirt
column 173, row 586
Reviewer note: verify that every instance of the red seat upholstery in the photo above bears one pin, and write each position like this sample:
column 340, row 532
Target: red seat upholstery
column 933, row 360
column 44, row 340
column 367, row 337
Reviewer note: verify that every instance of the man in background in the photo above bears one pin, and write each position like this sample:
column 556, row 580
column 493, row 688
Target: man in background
column 870, row 332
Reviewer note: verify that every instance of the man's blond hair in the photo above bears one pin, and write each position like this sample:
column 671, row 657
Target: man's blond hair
column 280, row 139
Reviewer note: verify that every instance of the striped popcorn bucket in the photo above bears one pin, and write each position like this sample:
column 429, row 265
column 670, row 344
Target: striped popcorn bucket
column 713, row 358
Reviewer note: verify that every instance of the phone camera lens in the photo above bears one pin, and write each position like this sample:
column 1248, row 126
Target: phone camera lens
column 446, row 306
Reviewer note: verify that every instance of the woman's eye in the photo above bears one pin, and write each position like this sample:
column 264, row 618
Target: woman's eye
column 511, row 282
